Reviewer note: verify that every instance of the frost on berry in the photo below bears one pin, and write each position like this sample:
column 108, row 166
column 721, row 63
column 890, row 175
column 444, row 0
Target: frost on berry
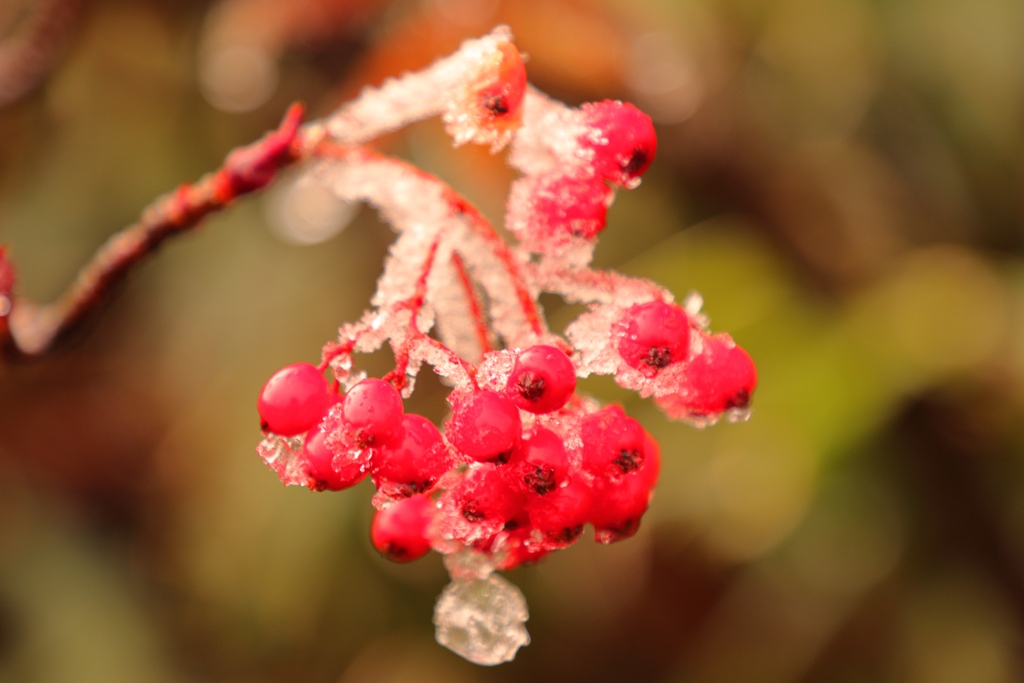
column 413, row 461
column 542, row 379
column 525, row 461
column 652, row 336
column 485, row 426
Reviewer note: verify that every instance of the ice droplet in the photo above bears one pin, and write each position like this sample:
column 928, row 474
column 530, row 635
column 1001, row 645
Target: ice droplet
column 482, row 620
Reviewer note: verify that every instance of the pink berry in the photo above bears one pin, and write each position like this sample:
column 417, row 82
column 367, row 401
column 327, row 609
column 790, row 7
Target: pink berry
column 614, row 444
column 413, row 461
column 723, row 376
column 628, row 137
column 485, row 426
column 400, row 530
column 501, row 97
column 293, row 400
column 539, row 464
column 618, row 507
column 560, row 516
column 325, row 471
column 653, row 335
column 479, row 506
column 372, row 412
column 542, row 380
column 567, row 206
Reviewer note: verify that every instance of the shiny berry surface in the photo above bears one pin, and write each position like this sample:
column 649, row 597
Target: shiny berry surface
column 539, row 464
column 652, row 336
column 614, row 444
column 327, row 473
column 372, row 412
column 413, row 460
column 723, row 376
column 293, row 400
column 485, row 426
column 399, row 531
column 542, row 380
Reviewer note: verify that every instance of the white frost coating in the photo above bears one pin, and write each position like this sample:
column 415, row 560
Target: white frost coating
column 456, row 326
column 282, row 455
column 548, row 139
column 414, row 96
column 482, row 620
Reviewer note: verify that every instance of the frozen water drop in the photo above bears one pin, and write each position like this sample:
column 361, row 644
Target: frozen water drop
column 482, row 620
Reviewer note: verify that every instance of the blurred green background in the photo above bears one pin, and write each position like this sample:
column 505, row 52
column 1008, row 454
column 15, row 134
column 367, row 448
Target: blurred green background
column 842, row 180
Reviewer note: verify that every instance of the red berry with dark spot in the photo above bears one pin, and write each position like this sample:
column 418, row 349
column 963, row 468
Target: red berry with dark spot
column 372, row 412
column 560, row 516
column 413, row 461
column 400, row 530
column 723, row 376
column 542, row 380
column 320, row 465
column 614, row 444
column 539, row 464
column 293, row 400
column 623, row 140
column 653, row 335
column 485, row 426
column 619, row 505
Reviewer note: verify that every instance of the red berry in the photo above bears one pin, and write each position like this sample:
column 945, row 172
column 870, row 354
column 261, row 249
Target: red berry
column 372, row 412
column 413, row 461
column 560, row 516
column 652, row 335
column 400, row 530
column 564, row 206
column 539, row 464
column 723, row 376
column 321, row 465
column 293, row 400
column 485, row 426
column 500, row 97
column 542, row 380
column 618, row 506
column 479, row 506
column 623, row 140
column 614, row 444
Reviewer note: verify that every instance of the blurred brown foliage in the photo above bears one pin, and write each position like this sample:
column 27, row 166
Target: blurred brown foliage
column 840, row 179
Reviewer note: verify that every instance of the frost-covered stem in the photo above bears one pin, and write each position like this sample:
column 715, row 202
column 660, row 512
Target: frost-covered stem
column 458, row 205
column 585, row 285
column 33, row 329
column 475, row 309
column 402, row 350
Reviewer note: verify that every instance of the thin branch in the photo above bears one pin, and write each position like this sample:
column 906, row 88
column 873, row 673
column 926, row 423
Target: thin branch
column 30, row 330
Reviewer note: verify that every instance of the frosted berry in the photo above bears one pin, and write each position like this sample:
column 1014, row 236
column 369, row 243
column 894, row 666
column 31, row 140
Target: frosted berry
column 485, row 426
column 539, row 464
column 560, row 516
column 653, row 335
column 479, row 506
column 293, row 400
column 400, row 530
column 372, row 412
column 500, row 97
column 623, row 140
column 413, row 461
column 614, row 444
column 722, row 377
column 320, row 464
column 545, row 211
column 542, row 379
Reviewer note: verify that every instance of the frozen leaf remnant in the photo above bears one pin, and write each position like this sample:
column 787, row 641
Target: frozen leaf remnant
column 482, row 619
column 524, row 463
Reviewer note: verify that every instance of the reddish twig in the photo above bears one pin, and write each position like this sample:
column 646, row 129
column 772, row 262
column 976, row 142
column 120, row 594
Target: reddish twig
column 30, row 330
column 475, row 308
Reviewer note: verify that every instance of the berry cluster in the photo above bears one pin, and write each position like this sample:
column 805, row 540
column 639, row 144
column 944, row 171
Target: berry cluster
column 523, row 461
